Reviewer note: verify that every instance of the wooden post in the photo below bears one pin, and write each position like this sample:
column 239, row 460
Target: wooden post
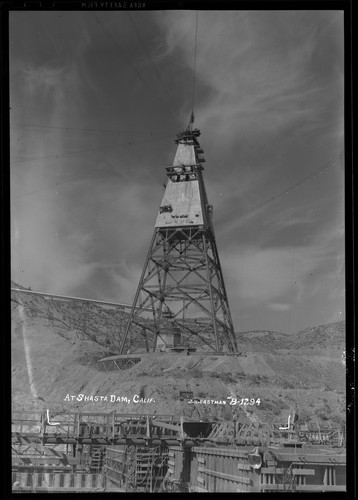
column 78, row 480
column 56, row 479
column 23, row 478
column 256, row 481
column 46, row 477
column 99, row 481
column 67, row 480
column 35, row 479
column 148, row 427
column 88, row 481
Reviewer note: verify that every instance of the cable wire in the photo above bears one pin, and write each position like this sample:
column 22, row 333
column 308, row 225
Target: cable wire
column 290, row 188
column 194, row 70
column 69, row 153
column 148, row 55
column 132, row 66
column 77, row 129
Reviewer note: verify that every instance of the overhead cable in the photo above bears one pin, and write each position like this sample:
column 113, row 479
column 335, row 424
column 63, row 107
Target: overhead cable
column 290, row 188
column 77, row 129
column 148, row 54
column 194, row 70
column 132, row 66
column 69, row 153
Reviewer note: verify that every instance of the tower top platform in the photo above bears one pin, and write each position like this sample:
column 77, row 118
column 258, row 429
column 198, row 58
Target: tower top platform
column 188, row 133
column 185, row 202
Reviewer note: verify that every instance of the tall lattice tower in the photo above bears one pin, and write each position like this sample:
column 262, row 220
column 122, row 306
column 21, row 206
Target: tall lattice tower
column 181, row 299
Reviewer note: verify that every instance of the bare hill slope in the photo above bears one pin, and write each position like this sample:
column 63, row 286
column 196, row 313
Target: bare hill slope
column 56, row 343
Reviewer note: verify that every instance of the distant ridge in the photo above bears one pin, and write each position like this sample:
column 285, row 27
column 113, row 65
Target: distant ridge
column 325, row 336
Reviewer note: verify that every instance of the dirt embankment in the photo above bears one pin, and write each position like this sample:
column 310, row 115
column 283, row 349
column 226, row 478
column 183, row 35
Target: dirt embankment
column 54, row 350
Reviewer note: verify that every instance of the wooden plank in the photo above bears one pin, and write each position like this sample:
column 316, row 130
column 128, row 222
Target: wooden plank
column 163, row 425
column 39, row 468
column 220, row 452
column 242, row 466
column 199, row 489
column 74, row 489
column 311, row 458
column 29, row 461
column 297, row 472
column 230, row 477
column 305, row 487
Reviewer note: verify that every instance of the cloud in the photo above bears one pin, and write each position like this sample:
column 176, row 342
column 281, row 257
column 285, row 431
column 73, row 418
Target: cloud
column 43, row 79
column 264, row 275
column 41, row 256
column 254, row 82
column 279, row 307
column 261, row 275
column 124, row 280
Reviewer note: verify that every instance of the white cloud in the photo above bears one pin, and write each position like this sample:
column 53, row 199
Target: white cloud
column 252, row 83
column 265, row 275
column 279, row 307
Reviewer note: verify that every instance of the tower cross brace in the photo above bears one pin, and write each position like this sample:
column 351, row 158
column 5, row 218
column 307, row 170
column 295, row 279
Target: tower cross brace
column 181, row 299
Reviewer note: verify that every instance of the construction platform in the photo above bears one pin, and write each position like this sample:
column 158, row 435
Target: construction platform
column 50, row 428
column 126, row 361
column 79, row 452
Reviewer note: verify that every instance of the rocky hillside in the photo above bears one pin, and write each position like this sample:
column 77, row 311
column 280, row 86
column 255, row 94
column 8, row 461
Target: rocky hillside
column 56, row 344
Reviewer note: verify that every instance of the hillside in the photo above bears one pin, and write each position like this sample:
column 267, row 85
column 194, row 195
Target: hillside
column 56, row 343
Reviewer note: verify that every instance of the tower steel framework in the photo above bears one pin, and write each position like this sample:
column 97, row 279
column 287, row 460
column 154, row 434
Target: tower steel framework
column 181, row 299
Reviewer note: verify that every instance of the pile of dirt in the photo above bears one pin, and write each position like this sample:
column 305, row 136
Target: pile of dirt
column 56, row 345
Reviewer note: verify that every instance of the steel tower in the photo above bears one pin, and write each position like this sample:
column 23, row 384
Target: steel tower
column 181, row 300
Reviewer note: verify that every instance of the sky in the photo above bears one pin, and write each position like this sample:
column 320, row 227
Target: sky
column 96, row 101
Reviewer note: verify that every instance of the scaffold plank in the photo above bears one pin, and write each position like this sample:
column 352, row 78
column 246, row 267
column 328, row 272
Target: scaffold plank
column 304, row 487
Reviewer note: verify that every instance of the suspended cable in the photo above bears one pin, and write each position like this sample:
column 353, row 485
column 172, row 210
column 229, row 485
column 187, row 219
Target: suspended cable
column 77, row 129
column 148, row 55
column 290, row 188
column 69, row 153
column 69, row 179
column 230, row 225
column 194, row 70
column 132, row 66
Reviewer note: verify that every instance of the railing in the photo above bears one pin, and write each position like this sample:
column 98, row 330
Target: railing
column 115, row 426
column 60, row 481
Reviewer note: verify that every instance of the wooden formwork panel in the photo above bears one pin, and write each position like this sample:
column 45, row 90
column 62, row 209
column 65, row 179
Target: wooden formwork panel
column 114, row 465
column 147, row 468
column 57, row 480
column 214, row 470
